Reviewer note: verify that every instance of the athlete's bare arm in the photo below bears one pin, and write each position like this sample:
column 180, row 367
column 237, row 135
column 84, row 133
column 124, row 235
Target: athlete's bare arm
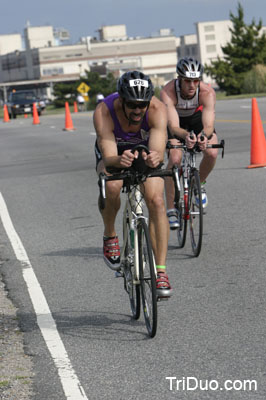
column 168, row 97
column 104, row 127
column 158, row 132
column 207, row 99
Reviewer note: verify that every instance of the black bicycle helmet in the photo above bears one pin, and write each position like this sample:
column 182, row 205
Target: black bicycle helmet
column 135, row 86
column 189, row 68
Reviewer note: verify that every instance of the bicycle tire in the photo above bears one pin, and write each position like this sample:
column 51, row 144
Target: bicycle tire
column 131, row 288
column 147, row 278
column 196, row 213
column 182, row 208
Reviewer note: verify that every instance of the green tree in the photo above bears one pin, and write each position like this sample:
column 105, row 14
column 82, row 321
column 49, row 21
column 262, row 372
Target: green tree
column 65, row 92
column 68, row 91
column 97, row 85
column 255, row 80
column 246, row 49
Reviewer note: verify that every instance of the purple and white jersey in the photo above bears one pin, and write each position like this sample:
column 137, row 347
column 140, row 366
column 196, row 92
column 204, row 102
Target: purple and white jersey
column 127, row 140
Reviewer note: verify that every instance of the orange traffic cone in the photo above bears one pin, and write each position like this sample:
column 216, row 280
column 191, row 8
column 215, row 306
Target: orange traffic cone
column 68, row 120
column 25, row 115
column 6, row 116
column 36, row 120
column 258, row 141
column 75, row 107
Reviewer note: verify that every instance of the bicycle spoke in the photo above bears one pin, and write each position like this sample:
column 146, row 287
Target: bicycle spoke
column 147, row 278
column 132, row 288
column 182, row 207
column 196, row 213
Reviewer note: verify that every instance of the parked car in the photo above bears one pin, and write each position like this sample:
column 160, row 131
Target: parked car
column 21, row 102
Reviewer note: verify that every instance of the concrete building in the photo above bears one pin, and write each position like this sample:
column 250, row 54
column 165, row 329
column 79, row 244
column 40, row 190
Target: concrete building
column 10, row 43
column 43, row 62
column 211, row 36
column 115, row 53
column 113, row 32
column 206, row 44
column 39, row 36
column 188, row 46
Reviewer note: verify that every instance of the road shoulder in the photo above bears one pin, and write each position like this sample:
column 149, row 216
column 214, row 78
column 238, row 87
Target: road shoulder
column 16, row 368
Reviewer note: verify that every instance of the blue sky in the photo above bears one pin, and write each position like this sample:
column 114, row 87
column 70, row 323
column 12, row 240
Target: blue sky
column 141, row 17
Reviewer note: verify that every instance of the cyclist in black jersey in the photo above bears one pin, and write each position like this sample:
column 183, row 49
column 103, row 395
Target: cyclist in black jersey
column 190, row 107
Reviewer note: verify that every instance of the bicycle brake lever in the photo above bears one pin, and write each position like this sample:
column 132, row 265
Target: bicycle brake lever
column 222, row 145
column 102, row 183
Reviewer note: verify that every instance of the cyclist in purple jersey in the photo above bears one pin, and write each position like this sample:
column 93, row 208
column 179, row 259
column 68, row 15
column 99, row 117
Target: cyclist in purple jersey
column 122, row 120
column 127, row 140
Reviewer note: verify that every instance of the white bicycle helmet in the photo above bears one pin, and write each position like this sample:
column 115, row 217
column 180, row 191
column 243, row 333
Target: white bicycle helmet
column 189, row 68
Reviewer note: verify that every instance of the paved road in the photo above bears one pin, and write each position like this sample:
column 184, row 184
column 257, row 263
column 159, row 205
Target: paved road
column 213, row 328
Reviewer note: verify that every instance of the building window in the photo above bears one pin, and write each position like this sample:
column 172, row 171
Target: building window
column 53, row 57
column 74, row 55
column 211, row 48
column 209, row 37
column 53, row 71
column 208, row 28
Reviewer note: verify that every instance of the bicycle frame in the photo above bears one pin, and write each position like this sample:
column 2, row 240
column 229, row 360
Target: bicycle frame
column 137, row 261
column 187, row 186
column 187, row 164
column 133, row 211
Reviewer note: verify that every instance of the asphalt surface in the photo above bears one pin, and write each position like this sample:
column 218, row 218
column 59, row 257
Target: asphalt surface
column 214, row 327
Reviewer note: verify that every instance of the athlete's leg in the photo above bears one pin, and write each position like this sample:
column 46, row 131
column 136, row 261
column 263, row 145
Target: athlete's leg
column 175, row 157
column 112, row 204
column 209, row 159
column 159, row 231
column 158, row 224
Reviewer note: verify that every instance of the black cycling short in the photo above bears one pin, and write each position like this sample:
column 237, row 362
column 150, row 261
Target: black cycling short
column 191, row 123
column 120, row 150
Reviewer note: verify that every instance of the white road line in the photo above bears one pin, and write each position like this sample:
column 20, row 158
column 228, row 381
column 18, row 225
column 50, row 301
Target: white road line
column 70, row 382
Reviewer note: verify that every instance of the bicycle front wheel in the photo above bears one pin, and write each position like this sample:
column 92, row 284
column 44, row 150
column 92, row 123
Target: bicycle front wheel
column 147, row 278
column 182, row 207
column 131, row 286
column 196, row 213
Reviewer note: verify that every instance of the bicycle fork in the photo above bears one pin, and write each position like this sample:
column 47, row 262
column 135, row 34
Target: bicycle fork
column 186, row 203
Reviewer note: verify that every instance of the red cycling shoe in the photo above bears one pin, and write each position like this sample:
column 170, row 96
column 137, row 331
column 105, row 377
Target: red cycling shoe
column 111, row 252
column 163, row 285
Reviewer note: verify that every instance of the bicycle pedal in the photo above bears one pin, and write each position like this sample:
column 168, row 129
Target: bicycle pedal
column 162, row 299
column 119, row 274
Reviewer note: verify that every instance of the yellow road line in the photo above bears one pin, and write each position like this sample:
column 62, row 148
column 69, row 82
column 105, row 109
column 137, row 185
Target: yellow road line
column 243, row 121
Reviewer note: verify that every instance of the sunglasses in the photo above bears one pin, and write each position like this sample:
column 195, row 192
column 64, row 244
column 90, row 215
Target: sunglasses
column 196, row 81
column 133, row 106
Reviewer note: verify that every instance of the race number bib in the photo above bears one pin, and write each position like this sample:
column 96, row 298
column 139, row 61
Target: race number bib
column 138, row 82
column 192, row 75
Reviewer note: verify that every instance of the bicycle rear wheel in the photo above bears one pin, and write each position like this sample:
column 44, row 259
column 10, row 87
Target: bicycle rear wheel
column 147, row 278
column 131, row 287
column 182, row 207
column 196, row 213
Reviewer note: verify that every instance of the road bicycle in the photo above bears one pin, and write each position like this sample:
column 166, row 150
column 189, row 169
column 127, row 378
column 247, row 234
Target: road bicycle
column 137, row 265
column 188, row 197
